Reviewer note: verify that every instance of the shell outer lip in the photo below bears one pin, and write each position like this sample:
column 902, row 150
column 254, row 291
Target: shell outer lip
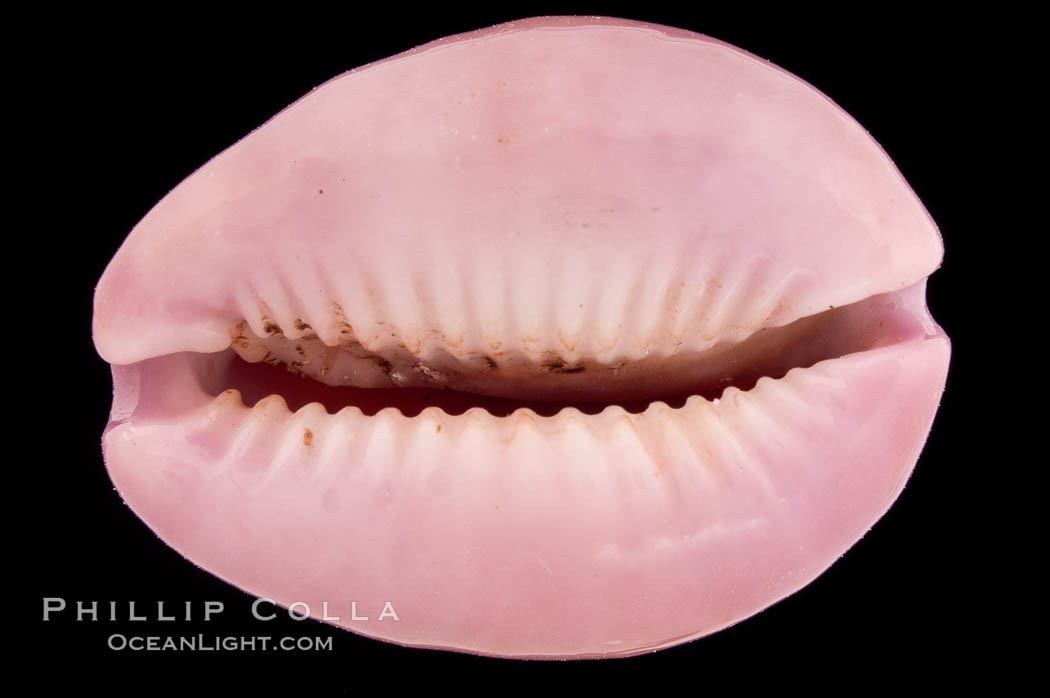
column 214, row 324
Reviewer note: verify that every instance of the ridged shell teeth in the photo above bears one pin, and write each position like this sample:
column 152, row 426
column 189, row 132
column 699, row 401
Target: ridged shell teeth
column 646, row 304
column 663, row 372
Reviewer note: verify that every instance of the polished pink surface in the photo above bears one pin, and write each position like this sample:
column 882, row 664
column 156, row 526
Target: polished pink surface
column 561, row 209
column 490, row 186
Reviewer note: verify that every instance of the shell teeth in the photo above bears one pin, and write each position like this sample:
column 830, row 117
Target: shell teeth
column 666, row 368
column 256, row 313
column 733, row 301
column 321, row 313
column 249, row 456
column 640, row 336
column 489, row 310
column 663, row 449
column 566, row 322
column 650, row 292
column 442, row 294
column 276, row 306
column 529, row 306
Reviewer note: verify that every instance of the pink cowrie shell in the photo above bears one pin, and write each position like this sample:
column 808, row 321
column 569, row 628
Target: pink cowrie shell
column 717, row 267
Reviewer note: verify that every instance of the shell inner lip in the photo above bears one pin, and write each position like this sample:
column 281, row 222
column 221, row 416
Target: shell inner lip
column 877, row 321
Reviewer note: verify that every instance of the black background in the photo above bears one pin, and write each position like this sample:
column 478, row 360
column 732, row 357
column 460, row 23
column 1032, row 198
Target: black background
column 131, row 105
